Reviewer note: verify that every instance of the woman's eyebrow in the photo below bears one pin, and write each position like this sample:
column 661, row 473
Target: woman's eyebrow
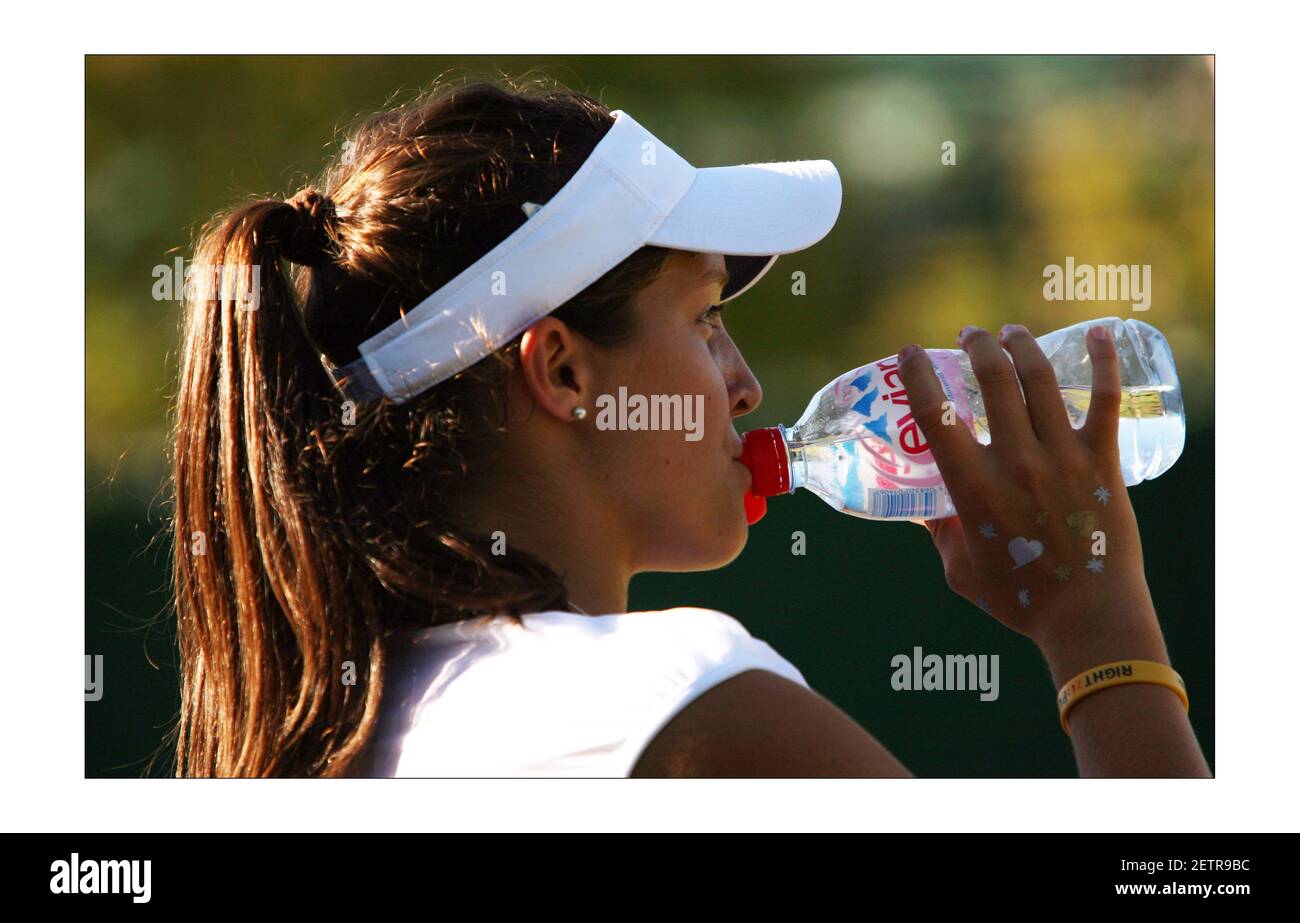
column 717, row 274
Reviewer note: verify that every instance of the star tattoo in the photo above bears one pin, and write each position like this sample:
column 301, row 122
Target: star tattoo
column 1103, row 495
column 1023, row 596
column 1096, row 565
column 1063, row 573
column 988, row 531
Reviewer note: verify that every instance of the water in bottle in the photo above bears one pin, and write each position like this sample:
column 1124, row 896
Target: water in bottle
column 858, row 447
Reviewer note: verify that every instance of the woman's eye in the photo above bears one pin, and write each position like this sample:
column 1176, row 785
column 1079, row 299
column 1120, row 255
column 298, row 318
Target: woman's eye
column 713, row 316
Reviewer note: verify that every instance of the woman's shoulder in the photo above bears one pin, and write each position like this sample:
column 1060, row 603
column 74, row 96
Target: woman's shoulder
column 673, row 646
column 558, row 633
column 649, row 626
column 562, row 693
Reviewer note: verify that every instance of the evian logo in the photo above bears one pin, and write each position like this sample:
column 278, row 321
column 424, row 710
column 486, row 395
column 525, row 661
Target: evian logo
column 910, row 437
column 102, row 876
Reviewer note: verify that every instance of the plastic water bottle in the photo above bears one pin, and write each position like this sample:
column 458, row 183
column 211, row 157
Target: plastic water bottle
column 858, row 447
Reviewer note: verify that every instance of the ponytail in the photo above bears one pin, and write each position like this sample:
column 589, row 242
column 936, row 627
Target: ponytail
column 255, row 567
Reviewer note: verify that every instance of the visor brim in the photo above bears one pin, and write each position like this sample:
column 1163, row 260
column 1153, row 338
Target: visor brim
column 757, row 209
column 752, row 213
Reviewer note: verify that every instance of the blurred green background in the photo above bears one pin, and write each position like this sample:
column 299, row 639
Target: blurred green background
column 1106, row 159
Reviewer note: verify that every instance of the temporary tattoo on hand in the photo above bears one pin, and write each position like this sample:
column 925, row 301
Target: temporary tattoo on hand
column 1083, row 523
column 1102, row 494
column 1096, row 565
column 1023, row 596
column 1063, row 573
column 1024, row 551
column 988, row 531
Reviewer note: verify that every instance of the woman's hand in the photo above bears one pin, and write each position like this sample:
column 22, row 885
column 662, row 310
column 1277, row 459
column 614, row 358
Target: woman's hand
column 1045, row 539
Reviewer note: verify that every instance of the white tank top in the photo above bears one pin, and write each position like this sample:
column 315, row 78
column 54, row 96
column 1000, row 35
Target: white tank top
column 564, row 694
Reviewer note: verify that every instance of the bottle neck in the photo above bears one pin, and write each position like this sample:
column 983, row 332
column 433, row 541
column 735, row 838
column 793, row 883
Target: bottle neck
column 798, row 467
column 796, row 464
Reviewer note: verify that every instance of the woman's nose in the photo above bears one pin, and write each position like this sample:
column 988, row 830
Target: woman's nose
column 747, row 399
column 742, row 387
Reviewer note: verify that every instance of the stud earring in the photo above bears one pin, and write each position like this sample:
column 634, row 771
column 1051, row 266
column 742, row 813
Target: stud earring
column 579, row 413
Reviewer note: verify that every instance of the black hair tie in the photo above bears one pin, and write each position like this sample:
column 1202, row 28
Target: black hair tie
column 305, row 237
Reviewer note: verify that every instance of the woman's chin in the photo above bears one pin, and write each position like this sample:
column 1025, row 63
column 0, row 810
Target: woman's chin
column 695, row 543
column 713, row 551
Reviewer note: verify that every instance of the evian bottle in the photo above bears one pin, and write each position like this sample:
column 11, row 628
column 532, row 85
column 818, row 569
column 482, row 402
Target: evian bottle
column 858, row 447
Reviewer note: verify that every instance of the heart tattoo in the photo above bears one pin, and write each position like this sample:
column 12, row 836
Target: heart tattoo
column 1023, row 550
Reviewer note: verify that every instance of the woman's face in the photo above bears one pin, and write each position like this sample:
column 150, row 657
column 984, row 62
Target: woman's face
column 663, row 423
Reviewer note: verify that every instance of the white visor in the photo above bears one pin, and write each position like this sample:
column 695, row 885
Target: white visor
column 632, row 191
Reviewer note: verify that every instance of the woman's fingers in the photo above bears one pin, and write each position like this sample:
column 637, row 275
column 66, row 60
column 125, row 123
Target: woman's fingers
column 1100, row 432
column 1038, row 382
column 956, row 453
column 1003, row 403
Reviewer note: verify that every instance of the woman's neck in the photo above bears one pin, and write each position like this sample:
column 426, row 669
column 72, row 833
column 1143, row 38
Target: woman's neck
column 576, row 540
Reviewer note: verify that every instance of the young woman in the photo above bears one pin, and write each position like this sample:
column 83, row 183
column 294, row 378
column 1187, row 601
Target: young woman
column 404, row 540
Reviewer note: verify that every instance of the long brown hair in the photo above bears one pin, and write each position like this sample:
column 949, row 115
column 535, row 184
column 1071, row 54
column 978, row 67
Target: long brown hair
column 306, row 529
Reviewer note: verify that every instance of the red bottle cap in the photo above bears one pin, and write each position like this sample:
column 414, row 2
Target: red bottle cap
column 755, row 507
column 764, row 454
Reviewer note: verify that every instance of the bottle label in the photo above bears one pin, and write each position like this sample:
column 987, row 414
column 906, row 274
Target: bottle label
column 890, row 438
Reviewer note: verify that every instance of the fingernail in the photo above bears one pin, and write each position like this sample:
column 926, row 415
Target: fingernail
column 961, row 335
column 908, row 351
column 1099, row 332
column 1009, row 329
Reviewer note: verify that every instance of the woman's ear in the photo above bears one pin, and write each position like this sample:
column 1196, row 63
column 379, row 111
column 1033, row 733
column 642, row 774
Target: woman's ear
column 556, row 366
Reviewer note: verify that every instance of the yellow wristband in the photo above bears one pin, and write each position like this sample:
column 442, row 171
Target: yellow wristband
column 1113, row 674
